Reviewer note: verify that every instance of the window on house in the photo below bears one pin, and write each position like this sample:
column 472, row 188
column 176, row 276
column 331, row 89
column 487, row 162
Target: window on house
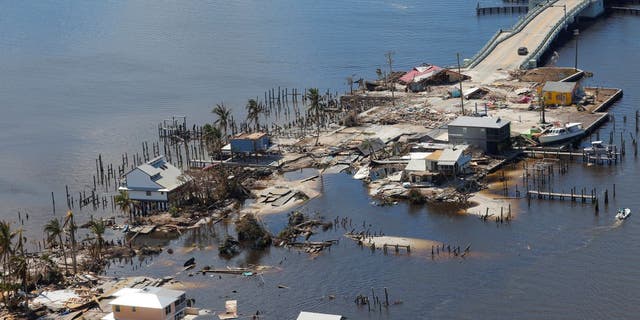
column 117, row 308
column 167, row 310
column 148, row 193
column 133, row 309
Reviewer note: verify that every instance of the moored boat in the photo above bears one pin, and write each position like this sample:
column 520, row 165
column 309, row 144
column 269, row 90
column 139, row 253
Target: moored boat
column 598, row 148
column 562, row 133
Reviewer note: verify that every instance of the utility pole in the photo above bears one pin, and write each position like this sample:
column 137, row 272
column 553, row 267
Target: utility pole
column 389, row 56
column 541, row 101
column 461, row 95
column 576, row 33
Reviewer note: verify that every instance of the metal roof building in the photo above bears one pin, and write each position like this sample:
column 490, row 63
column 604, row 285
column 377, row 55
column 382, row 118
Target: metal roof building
column 559, row 86
column 479, row 122
column 491, row 135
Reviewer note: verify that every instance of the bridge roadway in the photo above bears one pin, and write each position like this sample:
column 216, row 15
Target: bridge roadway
column 504, row 57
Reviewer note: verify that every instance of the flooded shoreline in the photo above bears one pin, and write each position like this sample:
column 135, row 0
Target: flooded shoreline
column 554, row 256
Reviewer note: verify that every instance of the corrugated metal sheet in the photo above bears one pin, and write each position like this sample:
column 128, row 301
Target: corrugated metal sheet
column 557, row 86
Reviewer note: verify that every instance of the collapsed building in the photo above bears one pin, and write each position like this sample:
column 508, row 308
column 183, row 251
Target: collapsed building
column 421, row 77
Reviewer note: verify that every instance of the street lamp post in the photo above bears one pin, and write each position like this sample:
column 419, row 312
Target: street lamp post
column 566, row 25
column 576, row 33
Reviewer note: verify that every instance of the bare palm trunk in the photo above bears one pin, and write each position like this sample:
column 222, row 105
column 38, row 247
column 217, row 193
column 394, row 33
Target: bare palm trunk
column 73, row 247
column 317, row 124
column 64, row 252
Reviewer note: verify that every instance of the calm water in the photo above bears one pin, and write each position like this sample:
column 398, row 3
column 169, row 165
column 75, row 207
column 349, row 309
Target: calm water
column 80, row 79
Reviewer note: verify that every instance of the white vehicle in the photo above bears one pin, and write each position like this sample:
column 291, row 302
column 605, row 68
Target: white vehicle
column 558, row 134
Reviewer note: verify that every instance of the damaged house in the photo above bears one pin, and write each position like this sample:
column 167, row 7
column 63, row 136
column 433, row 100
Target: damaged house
column 421, row 77
column 432, row 167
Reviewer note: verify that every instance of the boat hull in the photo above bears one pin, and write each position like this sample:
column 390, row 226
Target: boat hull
column 549, row 139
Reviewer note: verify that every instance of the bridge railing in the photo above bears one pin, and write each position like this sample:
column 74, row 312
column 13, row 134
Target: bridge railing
column 494, row 41
column 537, row 53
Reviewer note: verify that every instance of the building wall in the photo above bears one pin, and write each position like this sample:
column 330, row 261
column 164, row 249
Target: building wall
column 127, row 313
column 142, row 195
column 476, row 137
column 242, row 145
column 137, row 179
column 250, row 146
column 559, row 98
column 492, row 141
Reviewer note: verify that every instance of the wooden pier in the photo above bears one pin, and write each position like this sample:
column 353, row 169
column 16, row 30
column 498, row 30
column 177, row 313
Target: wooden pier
column 611, row 157
column 617, row 94
column 563, row 196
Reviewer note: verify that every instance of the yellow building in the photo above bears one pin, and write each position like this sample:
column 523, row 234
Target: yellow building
column 558, row 93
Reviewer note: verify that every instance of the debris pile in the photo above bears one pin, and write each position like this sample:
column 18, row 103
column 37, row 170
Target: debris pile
column 300, row 226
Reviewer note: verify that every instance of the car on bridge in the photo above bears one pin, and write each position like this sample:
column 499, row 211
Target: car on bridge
column 523, row 51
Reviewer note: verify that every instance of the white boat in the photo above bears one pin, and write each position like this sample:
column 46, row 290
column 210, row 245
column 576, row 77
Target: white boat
column 558, row 134
column 598, row 148
column 623, row 213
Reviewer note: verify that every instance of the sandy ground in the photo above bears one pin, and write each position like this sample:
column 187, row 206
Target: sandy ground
column 414, row 243
column 485, row 200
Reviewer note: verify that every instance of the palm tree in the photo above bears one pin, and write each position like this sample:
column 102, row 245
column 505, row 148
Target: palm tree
column 253, row 113
column 124, row 203
column 6, row 252
column 98, row 228
column 315, row 108
column 72, row 234
column 224, row 115
column 20, row 263
column 54, row 230
column 213, row 139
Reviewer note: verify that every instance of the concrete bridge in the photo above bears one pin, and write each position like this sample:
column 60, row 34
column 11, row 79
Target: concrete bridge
column 536, row 31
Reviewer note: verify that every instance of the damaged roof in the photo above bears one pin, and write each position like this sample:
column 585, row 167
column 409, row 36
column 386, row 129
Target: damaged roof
column 420, row 73
column 370, row 145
